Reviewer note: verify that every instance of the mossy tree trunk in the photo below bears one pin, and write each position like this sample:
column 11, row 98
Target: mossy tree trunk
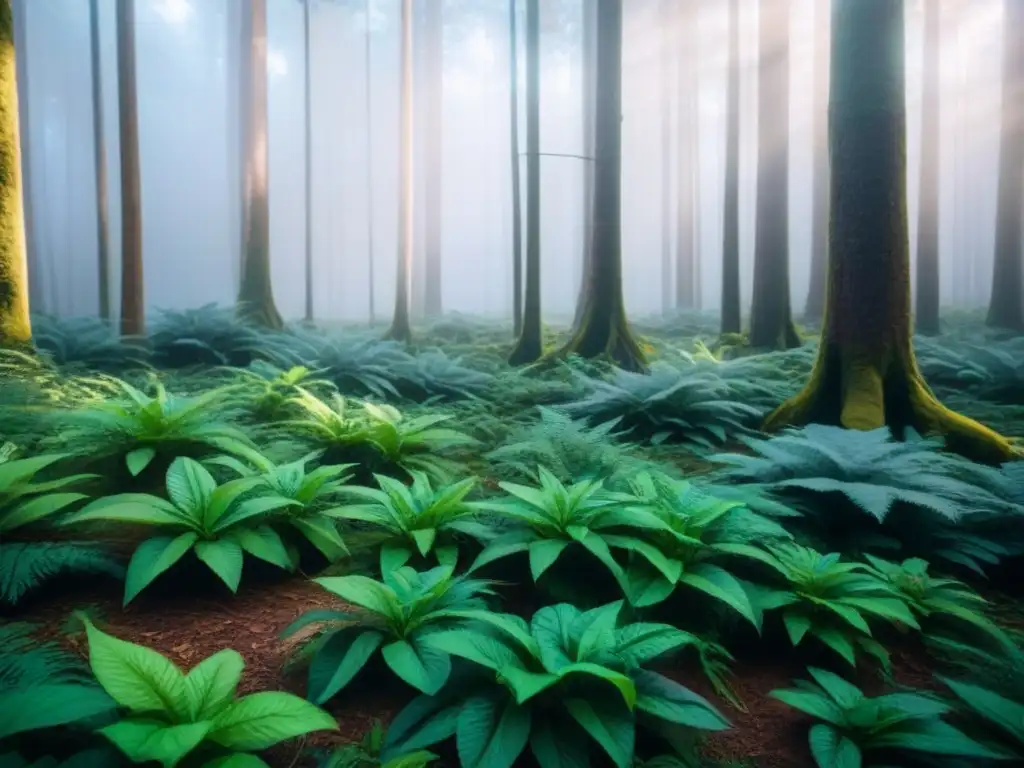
column 771, row 319
column 401, row 328
column 603, row 330
column 35, row 284
column 517, row 205
column 926, row 315
column 731, row 316
column 866, row 375
column 15, row 327
column 686, row 288
column 100, row 163
column 133, row 304
column 530, row 345
column 256, row 293
column 814, row 308
column 589, row 64
column 1006, row 305
column 433, row 74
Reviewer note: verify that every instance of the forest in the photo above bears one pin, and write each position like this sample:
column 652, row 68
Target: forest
column 511, row 383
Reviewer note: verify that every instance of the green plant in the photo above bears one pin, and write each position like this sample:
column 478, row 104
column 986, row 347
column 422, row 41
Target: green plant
column 854, row 724
column 26, row 503
column 832, row 601
column 215, row 521
column 1000, row 719
column 206, row 335
column 401, row 611
column 563, row 684
column 266, row 391
column 172, row 715
column 417, row 519
column 366, row 754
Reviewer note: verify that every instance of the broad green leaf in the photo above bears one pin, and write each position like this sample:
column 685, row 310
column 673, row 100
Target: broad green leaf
column 723, row 586
column 620, row 681
column 322, row 534
column 424, row 668
column 211, row 684
column 46, row 705
column 812, row 703
column 36, row 509
column 557, row 744
column 153, row 557
column 641, row 642
column 143, row 741
column 362, row 591
column 189, row 484
column 611, row 727
column 500, row 548
column 424, row 721
column 130, row 508
column 424, row 538
column 543, row 554
column 797, row 623
column 261, row 720
column 831, row 749
column 262, row 542
column 668, row 700
column 136, row 461
column 491, row 732
column 525, row 684
column 340, row 659
column 237, row 760
column 224, row 558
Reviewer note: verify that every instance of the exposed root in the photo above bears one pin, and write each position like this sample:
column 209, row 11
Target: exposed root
column 263, row 314
column 606, row 338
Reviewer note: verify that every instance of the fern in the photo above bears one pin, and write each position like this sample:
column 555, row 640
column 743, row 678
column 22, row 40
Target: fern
column 25, row 566
column 208, row 335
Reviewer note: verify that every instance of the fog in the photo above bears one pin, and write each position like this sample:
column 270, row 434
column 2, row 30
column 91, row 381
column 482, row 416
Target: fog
column 187, row 90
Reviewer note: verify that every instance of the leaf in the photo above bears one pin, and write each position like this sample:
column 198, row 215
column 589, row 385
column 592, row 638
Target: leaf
column 136, row 677
column 491, row 733
column 611, row 727
column 340, row 659
column 261, row 720
column 543, row 554
column 153, row 557
column 211, row 684
column 362, row 591
column 139, row 459
column 151, row 740
column 831, row 749
column 189, row 484
column 46, row 705
column 224, row 558
column 265, row 543
column 237, row 760
column 556, row 744
column 668, row 700
column 812, row 703
column 424, row 668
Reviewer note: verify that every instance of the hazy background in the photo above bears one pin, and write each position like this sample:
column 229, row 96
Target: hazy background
column 187, row 94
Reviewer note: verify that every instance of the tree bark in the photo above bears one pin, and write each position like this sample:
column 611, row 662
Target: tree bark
column 401, row 328
column 256, row 294
column 731, row 318
column 926, row 317
column 433, row 74
column 100, row 162
column 307, row 97
column 604, row 331
column 32, row 251
column 517, row 206
column 771, row 320
column 530, row 345
column 133, row 306
column 866, row 376
column 685, row 284
column 1006, row 305
column 15, row 326
column 589, row 65
column 815, row 305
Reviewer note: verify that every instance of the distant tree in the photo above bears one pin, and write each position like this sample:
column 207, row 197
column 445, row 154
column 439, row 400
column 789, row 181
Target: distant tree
column 669, row 42
column 100, row 161
column 686, row 288
column 589, row 66
column 307, row 99
column 1006, row 306
column 926, row 315
column 815, row 306
column 866, row 376
column 133, row 305
column 517, row 207
column 529, row 346
column 771, row 319
column 368, row 100
column 730, row 321
column 15, row 326
column 603, row 330
column 256, row 293
column 401, row 329
column 433, row 76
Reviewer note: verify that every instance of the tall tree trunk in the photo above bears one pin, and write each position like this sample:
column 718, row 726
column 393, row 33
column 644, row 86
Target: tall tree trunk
column 671, row 26
column 307, row 94
column 100, row 162
column 256, row 294
column 685, row 287
column 815, row 306
column 517, row 208
column 15, row 326
column 730, row 320
column 401, row 329
column 589, row 66
column 368, row 96
column 236, row 107
column 529, row 346
column 433, row 74
column 133, row 305
column 33, row 253
column 1006, row 307
column 771, row 320
column 926, row 317
column 604, row 330
column 866, row 376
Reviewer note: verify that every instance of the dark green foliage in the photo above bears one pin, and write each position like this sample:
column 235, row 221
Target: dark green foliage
column 86, row 342
column 209, row 335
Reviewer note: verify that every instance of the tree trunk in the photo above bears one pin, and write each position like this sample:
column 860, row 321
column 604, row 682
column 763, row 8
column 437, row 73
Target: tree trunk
column 926, row 317
column 34, row 264
column 771, row 320
column 237, row 106
column 133, row 306
column 730, row 320
column 530, row 345
column 368, row 94
column 671, row 25
column 604, row 330
column 256, row 294
column 15, row 326
column 433, row 74
column 589, row 94
column 307, row 93
column 1006, row 306
column 685, row 292
column 815, row 306
column 100, row 162
column 517, row 208
column 401, row 329
column 866, row 375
